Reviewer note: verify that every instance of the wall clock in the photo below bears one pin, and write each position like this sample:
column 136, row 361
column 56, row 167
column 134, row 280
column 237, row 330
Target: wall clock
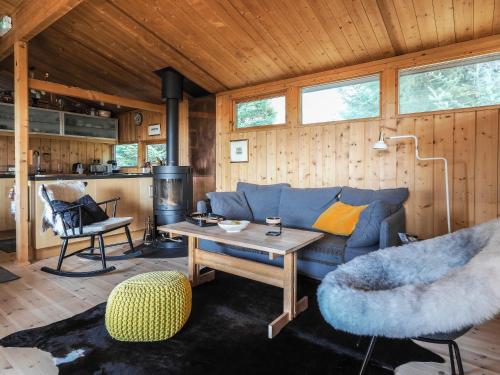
column 138, row 118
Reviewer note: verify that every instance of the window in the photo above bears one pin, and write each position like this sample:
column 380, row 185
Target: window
column 345, row 100
column 126, row 155
column 156, row 151
column 457, row 84
column 261, row 112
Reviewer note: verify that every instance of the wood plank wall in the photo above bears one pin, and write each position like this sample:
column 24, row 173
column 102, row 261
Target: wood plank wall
column 340, row 153
column 63, row 152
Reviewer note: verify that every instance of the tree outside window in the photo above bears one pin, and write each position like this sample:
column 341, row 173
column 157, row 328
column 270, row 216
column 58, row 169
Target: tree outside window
column 126, row 155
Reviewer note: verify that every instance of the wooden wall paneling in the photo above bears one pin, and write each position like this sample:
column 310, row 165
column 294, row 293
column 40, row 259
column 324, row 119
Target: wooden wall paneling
column 252, row 157
column 371, row 157
column 74, row 153
column 304, row 156
column 271, row 162
column 234, row 168
column 406, row 170
column 292, row 157
column 55, row 156
column 342, row 154
column 424, row 178
column 89, row 153
column 98, row 152
column 464, row 154
column 486, row 182
column 261, row 157
column 328, row 155
column 45, row 154
column 443, row 147
column 356, row 155
column 3, row 153
column 315, row 157
column 65, row 156
column 281, row 155
column 11, row 153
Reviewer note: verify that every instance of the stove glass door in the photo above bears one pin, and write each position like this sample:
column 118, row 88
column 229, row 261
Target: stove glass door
column 169, row 192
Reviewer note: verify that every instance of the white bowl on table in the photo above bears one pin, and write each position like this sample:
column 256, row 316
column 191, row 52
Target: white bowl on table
column 233, row 226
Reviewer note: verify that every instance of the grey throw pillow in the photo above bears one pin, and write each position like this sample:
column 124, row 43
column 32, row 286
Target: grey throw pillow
column 264, row 200
column 367, row 231
column 231, row 205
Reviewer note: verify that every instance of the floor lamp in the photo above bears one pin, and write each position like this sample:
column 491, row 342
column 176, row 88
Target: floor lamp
column 381, row 145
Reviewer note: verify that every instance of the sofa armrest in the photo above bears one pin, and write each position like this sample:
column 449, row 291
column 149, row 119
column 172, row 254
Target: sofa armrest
column 390, row 228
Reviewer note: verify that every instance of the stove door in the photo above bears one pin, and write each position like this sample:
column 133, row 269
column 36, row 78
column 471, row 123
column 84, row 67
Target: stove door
column 169, row 192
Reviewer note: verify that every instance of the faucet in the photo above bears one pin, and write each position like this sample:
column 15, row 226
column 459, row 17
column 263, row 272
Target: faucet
column 38, row 161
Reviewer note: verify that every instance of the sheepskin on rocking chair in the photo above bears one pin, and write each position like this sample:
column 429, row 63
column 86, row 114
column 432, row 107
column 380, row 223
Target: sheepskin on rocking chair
column 432, row 290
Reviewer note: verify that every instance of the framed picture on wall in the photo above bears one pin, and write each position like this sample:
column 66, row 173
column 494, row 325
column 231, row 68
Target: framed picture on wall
column 239, row 151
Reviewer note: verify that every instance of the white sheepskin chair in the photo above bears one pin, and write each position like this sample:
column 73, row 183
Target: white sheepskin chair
column 441, row 285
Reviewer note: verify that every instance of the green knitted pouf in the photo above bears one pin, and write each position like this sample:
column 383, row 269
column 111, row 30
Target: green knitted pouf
column 152, row 306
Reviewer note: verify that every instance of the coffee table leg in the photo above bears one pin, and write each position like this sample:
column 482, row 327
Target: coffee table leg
column 291, row 308
column 193, row 268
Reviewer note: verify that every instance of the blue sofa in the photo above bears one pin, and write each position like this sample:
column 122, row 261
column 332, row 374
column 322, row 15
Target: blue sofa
column 299, row 208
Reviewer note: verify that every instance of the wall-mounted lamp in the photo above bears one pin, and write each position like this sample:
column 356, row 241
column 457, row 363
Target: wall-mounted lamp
column 382, row 146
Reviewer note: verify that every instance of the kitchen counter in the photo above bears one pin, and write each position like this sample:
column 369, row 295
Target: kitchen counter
column 49, row 177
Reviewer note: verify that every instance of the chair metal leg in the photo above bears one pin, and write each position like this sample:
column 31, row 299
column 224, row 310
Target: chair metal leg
column 452, row 358
column 64, row 246
column 103, row 251
column 368, row 355
column 92, row 244
column 129, row 238
column 458, row 358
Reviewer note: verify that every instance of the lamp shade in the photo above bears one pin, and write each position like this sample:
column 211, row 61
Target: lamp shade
column 380, row 144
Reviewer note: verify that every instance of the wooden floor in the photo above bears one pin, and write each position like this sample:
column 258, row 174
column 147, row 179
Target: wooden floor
column 38, row 298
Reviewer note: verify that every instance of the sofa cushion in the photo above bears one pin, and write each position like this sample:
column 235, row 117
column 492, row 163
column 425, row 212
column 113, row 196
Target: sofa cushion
column 367, row 231
column 92, row 208
column 232, row 205
column 357, row 197
column 263, row 200
column 299, row 208
column 340, row 218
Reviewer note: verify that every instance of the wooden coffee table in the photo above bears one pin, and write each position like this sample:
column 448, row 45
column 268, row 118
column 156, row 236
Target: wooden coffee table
column 253, row 237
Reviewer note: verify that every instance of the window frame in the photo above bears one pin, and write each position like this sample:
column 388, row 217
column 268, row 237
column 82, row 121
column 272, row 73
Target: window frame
column 443, row 65
column 234, row 114
column 380, row 115
column 123, row 144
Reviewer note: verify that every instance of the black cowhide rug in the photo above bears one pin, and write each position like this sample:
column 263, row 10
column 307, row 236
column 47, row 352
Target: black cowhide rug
column 225, row 334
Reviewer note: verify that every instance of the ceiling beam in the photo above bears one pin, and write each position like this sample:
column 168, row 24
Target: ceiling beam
column 31, row 18
column 94, row 96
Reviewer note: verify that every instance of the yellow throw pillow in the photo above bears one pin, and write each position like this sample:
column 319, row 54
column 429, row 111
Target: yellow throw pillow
column 339, row 218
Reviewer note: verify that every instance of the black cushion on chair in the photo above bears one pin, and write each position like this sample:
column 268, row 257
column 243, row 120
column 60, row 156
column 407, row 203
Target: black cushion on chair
column 72, row 218
column 92, row 208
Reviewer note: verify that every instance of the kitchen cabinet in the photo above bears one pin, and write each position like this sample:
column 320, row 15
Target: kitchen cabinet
column 7, row 221
column 47, row 121
column 89, row 126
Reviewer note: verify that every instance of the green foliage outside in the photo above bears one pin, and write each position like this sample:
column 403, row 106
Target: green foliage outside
column 258, row 113
column 360, row 100
column 156, row 151
column 126, row 155
column 454, row 87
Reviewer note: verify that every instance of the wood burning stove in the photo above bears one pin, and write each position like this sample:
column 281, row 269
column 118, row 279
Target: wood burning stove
column 172, row 184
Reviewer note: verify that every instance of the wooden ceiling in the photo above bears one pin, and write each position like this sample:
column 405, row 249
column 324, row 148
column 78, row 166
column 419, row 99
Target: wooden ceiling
column 115, row 45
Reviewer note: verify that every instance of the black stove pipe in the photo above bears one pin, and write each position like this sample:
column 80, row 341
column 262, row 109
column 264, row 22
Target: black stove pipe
column 172, row 82
column 173, row 132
